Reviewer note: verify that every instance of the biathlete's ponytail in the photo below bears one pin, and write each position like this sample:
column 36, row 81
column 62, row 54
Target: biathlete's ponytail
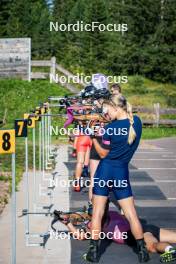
column 132, row 133
column 120, row 101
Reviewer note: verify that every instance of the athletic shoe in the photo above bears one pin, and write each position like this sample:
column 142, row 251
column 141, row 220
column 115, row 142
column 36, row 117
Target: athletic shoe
column 90, row 208
column 85, row 174
column 93, row 252
column 74, row 154
column 143, row 254
column 77, row 186
column 168, row 256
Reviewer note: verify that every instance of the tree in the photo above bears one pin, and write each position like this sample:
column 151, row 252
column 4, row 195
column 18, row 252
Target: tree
column 161, row 47
column 60, row 39
column 31, row 19
column 96, row 42
column 147, row 48
column 4, row 16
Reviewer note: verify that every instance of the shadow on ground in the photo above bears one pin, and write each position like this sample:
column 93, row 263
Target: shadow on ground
column 110, row 251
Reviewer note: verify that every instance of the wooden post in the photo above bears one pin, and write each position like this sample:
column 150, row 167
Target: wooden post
column 4, row 118
column 157, row 114
column 53, row 66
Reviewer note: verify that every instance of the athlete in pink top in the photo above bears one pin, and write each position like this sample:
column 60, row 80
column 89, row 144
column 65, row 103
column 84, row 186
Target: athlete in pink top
column 116, row 227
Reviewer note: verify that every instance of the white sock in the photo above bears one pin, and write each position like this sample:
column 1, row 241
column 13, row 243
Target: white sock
column 168, row 248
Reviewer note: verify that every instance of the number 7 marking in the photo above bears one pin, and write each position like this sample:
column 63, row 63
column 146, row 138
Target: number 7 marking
column 21, row 125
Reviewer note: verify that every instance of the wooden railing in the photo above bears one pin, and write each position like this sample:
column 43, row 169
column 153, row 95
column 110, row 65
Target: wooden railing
column 54, row 67
column 156, row 113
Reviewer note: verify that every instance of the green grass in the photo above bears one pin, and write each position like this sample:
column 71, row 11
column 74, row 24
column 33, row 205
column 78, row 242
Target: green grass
column 4, row 178
column 154, row 132
column 20, row 97
column 168, row 117
column 144, row 92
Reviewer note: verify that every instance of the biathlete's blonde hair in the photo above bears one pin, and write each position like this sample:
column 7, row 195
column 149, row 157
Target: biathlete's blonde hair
column 120, row 101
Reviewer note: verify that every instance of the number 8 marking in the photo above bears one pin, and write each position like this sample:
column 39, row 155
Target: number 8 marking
column 6, row 144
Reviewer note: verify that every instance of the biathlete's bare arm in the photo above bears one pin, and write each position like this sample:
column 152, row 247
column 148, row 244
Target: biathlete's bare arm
column 102, row 152
column 167, row 237
column 77, row 233
column 69, row 219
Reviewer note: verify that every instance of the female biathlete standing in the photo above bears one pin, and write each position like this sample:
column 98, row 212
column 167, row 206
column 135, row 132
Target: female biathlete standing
column 94, row 162
column 122, row 135
column 95, row 158
column 82, row 144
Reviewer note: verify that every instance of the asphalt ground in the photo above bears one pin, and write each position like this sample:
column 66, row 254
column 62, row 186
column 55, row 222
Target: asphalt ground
column 153, row 179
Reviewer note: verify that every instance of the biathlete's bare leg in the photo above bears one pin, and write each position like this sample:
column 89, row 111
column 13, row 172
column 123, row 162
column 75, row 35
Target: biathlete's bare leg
column 85, row 171
column 151, row 242
column 79, row 164
column 75, row 142
column 129, row 210
column 93, row 168
column 167, row 236
column 74, row 147
column 130, row 213
column 87, row 157
column 161, row 246
column 153, row 245
column 99, row 203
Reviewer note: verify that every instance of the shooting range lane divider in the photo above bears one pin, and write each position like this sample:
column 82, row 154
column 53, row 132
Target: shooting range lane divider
column 39, row 178
column 7, row 141
column 31, row 123
column 48, row 163
column 43, row 148
column 7, row 146
column 45, row 129
column 21, row 130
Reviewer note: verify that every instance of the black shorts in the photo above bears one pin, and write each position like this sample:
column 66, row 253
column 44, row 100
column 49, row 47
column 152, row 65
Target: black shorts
column 93, row 153
column 155, row 230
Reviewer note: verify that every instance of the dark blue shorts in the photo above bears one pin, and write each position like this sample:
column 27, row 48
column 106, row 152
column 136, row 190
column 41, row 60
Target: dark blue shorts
column 112, row 175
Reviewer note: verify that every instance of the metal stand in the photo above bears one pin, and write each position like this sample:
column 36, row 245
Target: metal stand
column 13, row 260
